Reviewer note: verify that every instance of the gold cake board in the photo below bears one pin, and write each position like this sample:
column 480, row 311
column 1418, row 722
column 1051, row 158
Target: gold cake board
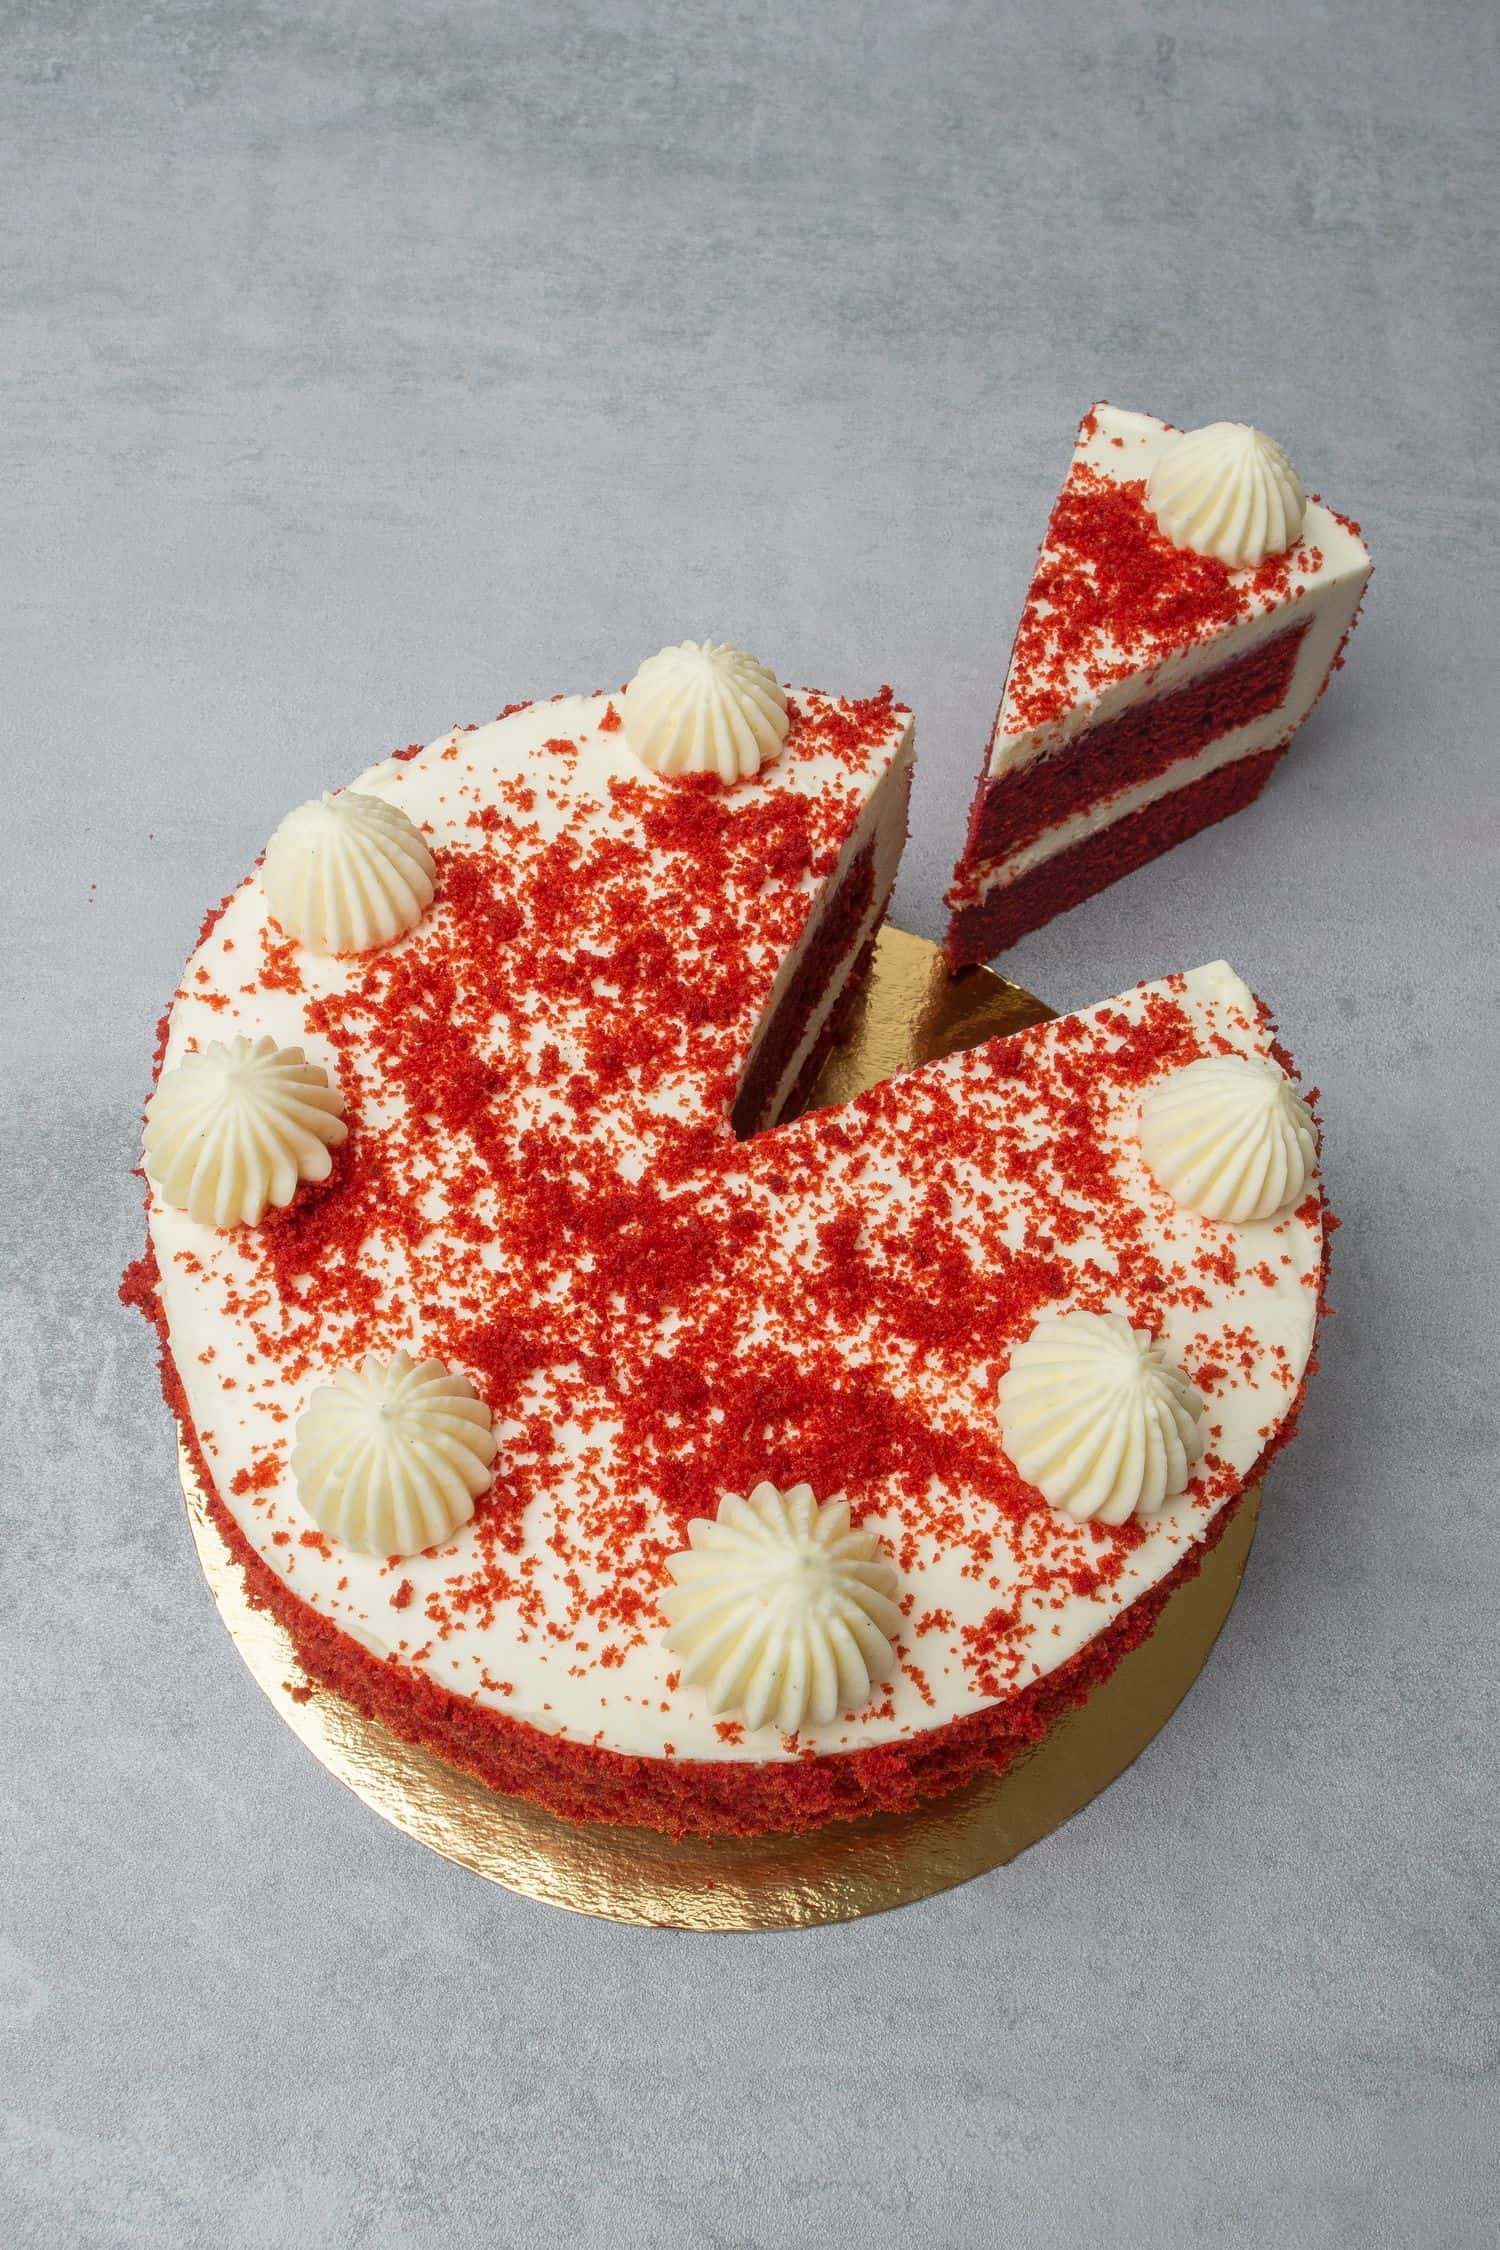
column 911, row 1011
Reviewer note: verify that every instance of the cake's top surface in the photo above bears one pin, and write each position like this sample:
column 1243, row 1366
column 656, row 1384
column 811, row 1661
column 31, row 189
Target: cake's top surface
column 1112, row 596
column 540, row 1190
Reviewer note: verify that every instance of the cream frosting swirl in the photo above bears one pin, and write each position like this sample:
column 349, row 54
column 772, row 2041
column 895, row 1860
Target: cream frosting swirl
column 348, row 873
column 233, row 1131
column 390, row 1456
column 703, row 707
column 1094, row 1415
column 1229, row 1137
column 1226, row 490
column 782, row 1610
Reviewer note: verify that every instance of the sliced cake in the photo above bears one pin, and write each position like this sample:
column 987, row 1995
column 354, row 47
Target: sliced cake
column 641, row 1460
column 1188, row 606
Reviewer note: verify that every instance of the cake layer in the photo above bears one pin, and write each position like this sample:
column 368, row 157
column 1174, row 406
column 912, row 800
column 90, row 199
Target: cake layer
column 1007, row 911
column 803, row 1016
column 1144, row 742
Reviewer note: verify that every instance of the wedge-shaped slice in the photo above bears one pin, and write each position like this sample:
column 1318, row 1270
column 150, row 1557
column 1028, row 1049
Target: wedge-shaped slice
column 1152, row 687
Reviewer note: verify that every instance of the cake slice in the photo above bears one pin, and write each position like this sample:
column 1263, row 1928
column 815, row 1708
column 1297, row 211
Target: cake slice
column 1188, row 606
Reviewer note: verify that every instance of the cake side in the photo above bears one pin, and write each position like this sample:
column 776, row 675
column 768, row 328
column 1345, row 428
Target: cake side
column 586, row 1784
column 779, row 1347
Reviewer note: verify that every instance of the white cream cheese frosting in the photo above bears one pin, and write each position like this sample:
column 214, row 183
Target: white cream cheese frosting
column 704, row 707
column 345, row 873
column 1229, row 491
column 390, row 1456
column 233, row 1130
column 783, row 1611
column 1094, row 1416
column 1229, row 1137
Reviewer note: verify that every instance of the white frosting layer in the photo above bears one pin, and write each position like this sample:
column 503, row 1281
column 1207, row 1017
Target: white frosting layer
column 1094, row 1416
column 1327, row 577
column 783, row 1612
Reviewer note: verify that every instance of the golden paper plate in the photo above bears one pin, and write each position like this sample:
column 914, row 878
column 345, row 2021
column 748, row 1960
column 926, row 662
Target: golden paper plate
column 912, row 1011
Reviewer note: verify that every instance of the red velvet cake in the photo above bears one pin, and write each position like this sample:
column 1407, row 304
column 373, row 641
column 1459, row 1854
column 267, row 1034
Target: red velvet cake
column 636, row 1452
column 1188, row 606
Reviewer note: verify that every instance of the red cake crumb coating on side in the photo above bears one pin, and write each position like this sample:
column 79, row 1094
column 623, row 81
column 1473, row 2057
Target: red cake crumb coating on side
column 585, row 1784
column 581, row 1783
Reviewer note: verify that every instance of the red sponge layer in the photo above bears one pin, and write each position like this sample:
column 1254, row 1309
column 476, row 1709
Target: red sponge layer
column 1012, row 810
column 978, row 931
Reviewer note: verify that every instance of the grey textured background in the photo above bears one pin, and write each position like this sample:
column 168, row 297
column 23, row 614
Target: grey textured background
column 366, row 368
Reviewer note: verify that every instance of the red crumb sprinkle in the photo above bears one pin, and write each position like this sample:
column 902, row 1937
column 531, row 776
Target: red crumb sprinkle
column 610, row 723
column 402, row 1597
column 991, row 1652
column 258, row 1478
column 667, row 1307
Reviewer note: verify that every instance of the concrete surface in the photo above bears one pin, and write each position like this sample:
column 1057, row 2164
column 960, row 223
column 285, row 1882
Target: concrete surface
column 366, row 367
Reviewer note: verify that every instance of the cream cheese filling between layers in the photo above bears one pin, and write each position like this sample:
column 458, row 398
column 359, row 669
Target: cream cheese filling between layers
column 1244, row 742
